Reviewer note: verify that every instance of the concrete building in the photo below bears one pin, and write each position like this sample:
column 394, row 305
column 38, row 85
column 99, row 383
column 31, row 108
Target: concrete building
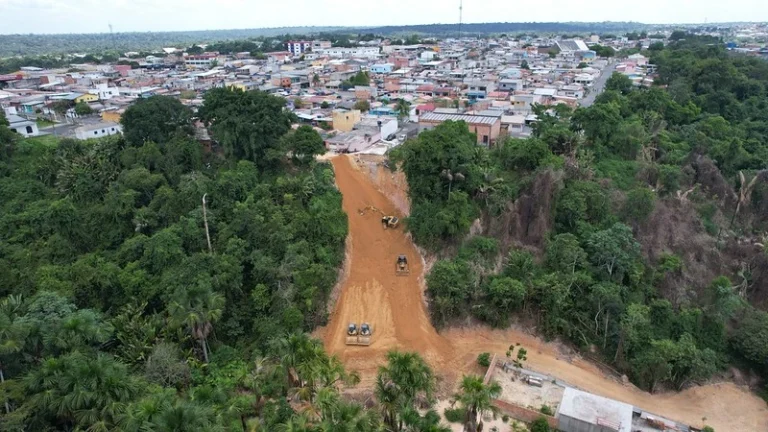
column 98, row 130
column 200, row 61
column 22, row 126
column 384, row 126
column 298, row 48
column 382, row 68
column 345, row 121
column 584, row 412
column 487, row 128
column 321, row 44
column 104, row 91
column 363, row 52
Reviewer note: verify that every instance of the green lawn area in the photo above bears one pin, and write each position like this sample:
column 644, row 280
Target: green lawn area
column 44, row 140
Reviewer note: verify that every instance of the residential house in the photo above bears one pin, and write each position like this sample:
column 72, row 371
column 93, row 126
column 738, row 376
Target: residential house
column 382, row 68
column 104, row 91
column 98, row 130
column 487, row 128
column 383, row 126
column 321, row 45
column 638, row 59
column 365, row 92
column 345, row 121
column 510, row 85
column 22, row 126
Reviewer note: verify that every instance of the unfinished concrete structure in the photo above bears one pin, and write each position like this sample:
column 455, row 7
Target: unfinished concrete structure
column 584, row 412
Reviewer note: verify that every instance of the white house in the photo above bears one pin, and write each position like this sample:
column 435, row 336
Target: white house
column 639, row 59
column 338, row 52
column 98, row 130
column 23, row 126
column 104, row 91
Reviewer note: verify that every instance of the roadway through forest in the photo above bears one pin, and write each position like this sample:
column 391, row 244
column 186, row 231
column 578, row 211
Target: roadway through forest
column 370, row 292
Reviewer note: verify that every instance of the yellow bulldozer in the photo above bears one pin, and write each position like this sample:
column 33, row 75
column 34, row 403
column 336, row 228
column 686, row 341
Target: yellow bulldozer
column 387, row 221
column 359, row 336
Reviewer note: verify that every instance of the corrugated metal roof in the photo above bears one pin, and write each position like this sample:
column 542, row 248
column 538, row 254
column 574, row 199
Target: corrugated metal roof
column 472, row 119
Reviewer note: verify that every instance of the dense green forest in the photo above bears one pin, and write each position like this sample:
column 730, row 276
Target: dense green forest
column 119, row 313
column 592, row 183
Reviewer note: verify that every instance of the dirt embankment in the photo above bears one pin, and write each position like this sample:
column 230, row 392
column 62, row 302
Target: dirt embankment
column 394, row 305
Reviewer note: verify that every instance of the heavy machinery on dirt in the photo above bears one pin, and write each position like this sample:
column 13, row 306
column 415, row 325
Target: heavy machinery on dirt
column 359, row 336
column 401, row 266
column 387, row 221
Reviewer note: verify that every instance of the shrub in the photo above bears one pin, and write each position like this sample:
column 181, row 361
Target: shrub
column 505, row 418
column 484, row 359
column 540, row 425
column 546, row 410
column 640, row 204
column 454, row 415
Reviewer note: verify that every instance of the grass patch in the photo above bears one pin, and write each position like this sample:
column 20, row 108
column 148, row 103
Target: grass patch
column 43, row 122
column 43, row 140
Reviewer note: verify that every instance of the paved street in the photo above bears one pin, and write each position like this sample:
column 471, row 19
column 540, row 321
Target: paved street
column 65, row 130
column 598, row 85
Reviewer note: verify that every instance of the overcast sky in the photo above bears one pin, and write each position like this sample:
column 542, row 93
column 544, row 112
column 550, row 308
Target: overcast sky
column 90, row 16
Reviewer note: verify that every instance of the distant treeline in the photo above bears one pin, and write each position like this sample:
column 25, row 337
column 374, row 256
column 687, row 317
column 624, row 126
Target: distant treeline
column 29, row 45
column 39, row 44
column 512, row 28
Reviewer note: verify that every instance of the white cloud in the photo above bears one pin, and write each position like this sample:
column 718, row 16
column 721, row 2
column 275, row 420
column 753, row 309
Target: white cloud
column 71, row 16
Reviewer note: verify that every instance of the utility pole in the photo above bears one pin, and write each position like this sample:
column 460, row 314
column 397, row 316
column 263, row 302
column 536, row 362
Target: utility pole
column 205, row 221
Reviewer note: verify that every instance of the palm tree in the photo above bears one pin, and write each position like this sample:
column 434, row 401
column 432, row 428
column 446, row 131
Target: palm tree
column 476, row 398
column 13, row 331
column 197, row 308
column 185, row 416
column 403, row 109
column 297, row 423
column 80, row 391
column 429, row 422
column 404, row 381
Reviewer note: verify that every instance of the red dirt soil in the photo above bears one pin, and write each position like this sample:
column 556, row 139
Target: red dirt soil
column 395, row 307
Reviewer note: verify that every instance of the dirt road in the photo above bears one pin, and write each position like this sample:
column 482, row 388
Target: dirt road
column 394, row 306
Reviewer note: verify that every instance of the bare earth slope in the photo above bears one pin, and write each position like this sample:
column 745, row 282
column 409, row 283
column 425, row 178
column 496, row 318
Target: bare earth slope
column 394, row 305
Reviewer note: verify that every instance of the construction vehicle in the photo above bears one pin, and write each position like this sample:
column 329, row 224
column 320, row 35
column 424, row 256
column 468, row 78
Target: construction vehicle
column 401, row 266
column 387, row 221
column 361, row 336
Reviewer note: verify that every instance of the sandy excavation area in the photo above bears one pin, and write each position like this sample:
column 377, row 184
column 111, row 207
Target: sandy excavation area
column 370, row 291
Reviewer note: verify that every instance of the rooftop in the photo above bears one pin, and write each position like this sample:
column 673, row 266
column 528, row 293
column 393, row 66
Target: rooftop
column 596, row 410
column 471, row 119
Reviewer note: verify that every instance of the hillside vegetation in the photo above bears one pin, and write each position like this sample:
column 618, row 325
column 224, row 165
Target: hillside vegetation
column 633, row 228
column 149, row 285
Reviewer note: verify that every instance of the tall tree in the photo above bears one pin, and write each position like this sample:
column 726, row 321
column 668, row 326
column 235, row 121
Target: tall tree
column 248, row 125
column 401, row 384
column 155, row 119
column 476, row 398
column 303, row 144
column 197, row 307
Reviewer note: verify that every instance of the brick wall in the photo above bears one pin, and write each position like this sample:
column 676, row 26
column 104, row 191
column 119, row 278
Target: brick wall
column 523, row 414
